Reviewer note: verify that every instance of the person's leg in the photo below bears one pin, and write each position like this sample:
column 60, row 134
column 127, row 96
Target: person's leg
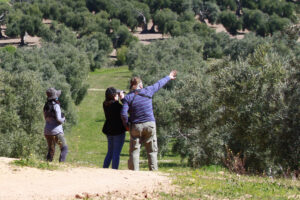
column 118, row 145
column 51, row 147
column 61, row 141
column 109, row 153
column 134, row 150
column 150, row 141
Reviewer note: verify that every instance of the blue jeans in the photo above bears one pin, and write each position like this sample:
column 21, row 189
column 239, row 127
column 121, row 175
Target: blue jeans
column 115, row 144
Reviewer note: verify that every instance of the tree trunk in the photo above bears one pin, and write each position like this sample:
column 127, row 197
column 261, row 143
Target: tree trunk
column 238, row 11
column 22, row 40
column 152, row 30
column 145, row 28
column 1, row 35
column 202, row 17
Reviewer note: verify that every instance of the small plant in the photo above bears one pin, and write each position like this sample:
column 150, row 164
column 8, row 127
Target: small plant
column 32, row 161
column 9, row 48
column 235, row 163
column 121, row 55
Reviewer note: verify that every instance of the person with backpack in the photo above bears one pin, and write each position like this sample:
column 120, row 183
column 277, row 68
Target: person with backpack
column 113, row 127
column 53, row 130
column 141, row 122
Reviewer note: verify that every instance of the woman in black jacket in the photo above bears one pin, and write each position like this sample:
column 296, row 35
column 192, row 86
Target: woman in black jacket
column 113, row 127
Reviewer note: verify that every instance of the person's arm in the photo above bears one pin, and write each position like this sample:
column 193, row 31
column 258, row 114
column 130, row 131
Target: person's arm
column 58, row 116
column 124, row 113
column 159, row 84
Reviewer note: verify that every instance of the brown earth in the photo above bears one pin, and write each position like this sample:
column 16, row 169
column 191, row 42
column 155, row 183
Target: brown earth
column 25, row 183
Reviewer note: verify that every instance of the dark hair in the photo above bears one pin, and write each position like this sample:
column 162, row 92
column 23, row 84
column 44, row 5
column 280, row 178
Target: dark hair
column 110, row 94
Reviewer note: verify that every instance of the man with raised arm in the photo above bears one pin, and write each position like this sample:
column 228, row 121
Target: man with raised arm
column 141, row 121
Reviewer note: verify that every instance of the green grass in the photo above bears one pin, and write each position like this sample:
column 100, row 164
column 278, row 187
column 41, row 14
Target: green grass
column 217, row 183
column 36, row 163
column 87, row 144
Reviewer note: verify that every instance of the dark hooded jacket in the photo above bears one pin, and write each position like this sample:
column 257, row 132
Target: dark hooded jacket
column 113, row 124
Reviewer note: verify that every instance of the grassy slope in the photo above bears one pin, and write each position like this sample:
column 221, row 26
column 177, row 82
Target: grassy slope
column 87, row 144
column 88, row 147
column 216, row 183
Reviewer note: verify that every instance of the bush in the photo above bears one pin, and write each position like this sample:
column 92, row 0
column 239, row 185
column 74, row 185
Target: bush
column 121, row 55
column 230, row 21
column 21, row 102
column 162, row 18
column 9, row 49
column 246, row 106
column 242, row 48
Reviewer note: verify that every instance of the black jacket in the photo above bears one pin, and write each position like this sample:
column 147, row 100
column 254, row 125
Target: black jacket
column 113, row 124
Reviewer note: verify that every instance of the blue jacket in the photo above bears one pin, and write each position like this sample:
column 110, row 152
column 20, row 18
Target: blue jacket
column 139, row 106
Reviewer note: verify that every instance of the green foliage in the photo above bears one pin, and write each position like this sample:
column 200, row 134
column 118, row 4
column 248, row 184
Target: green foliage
column 9, row 49
column 156, row 5
column 230, row 22
column 163, row 18
column 244, row 105
column 215, row 44
column 121, row 55
column 27, row 73
column 225, row 4
column 58, row 34
column 281, row 8
column 32, row 161
column 98, row 5
column 206, row 10
column 158, row 60
column 122, row 36
column 255, row 20
column 242, row 48
column 213, row 182
column 26, row 18
column 97, row 47
column 21, row 99
column 4, row 9
column 276, row 23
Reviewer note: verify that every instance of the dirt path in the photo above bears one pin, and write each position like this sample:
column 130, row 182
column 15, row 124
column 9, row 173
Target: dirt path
column 24, row 183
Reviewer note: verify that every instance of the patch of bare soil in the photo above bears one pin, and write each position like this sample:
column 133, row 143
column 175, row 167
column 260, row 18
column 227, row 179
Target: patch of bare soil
column 220, row 28
column 25, row 183
column 147, row 38
column 29, row 40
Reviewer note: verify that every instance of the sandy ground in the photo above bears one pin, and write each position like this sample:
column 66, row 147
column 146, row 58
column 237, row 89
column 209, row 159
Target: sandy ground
column 149, row 37
column 25, row 183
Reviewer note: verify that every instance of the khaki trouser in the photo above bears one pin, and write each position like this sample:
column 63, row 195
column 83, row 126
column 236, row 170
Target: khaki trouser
column 143, row 133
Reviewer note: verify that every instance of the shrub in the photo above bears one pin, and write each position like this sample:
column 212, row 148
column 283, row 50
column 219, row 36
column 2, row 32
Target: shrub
column 21, row 102
column 248, row 105
column 121, row 55
column 230, row 21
